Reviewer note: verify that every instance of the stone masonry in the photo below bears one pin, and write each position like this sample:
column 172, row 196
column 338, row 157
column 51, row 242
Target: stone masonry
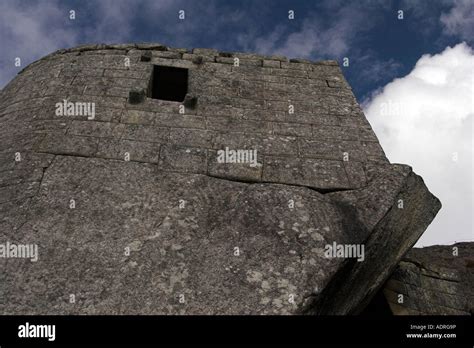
column 132, row 212
column 240, row 107
column 437, row 280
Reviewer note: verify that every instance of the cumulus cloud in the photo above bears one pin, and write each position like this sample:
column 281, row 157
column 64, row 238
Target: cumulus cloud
column 425, row 119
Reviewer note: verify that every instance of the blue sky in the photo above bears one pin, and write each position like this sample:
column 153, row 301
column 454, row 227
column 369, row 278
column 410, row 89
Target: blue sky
column 427, row 55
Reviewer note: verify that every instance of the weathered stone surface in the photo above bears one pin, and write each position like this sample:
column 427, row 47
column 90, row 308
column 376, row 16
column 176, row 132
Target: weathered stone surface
column 183, row 159
column 160, row 225
column 437, row 280
column 128, row 150
column 68, row 145
column 388, row 230
column 136, row 96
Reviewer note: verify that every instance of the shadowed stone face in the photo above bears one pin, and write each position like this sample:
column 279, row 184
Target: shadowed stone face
column 152, row 206
column 438, row 280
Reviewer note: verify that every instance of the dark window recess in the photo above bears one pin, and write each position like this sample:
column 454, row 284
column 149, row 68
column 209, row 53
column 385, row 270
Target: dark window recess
column 169, row 83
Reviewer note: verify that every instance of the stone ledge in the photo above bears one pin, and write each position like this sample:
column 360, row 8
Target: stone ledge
column 209, row 53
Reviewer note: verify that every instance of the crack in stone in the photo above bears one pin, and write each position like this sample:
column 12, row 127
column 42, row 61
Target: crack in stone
column 249, row 182
column 439, row 276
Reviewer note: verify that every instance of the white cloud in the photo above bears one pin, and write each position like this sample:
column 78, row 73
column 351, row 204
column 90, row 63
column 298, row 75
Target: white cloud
column 114, row 20
column 459, row 20
column 424, row 119
column 318, row 35
column 29, row 32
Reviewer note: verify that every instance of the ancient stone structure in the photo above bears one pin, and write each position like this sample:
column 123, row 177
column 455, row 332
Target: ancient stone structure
column 121, row 170
column 437, row 280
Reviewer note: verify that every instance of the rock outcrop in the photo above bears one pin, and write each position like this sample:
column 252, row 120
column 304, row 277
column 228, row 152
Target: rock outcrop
column 437, row 280
column 133, row 210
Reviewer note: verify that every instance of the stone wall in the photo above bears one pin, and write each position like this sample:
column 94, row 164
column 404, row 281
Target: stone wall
column 437, row 280
column 242, row 107
column 132, row 213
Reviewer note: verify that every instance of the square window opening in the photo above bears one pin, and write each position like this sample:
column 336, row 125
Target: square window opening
column 169, row 83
